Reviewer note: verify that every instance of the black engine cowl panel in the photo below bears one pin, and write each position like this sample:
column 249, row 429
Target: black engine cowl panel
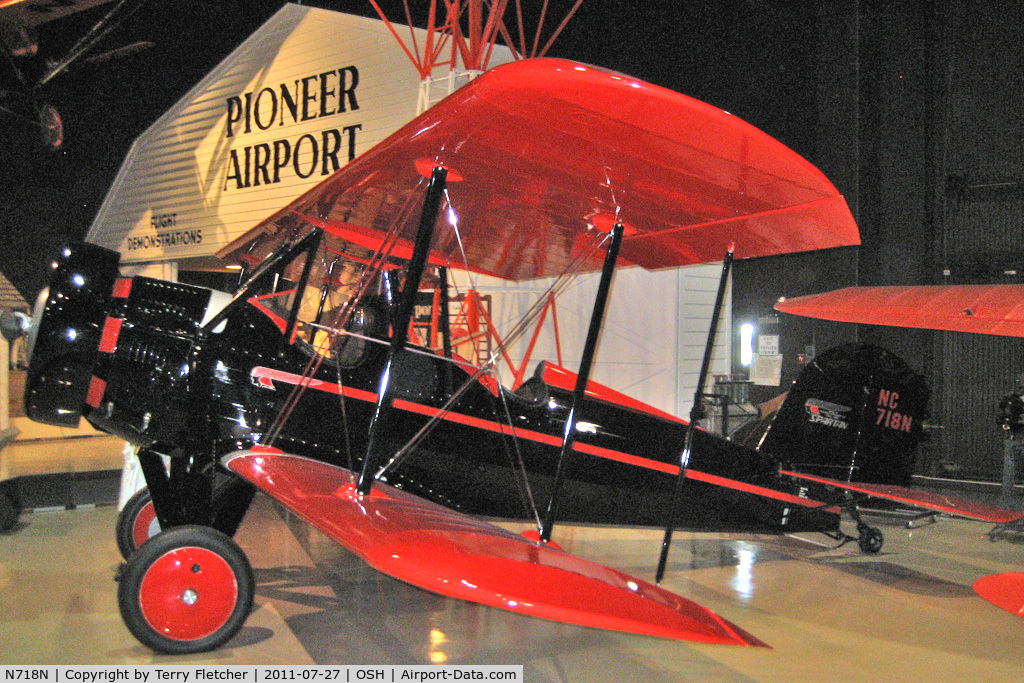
column 147, row 362
column 66, row 342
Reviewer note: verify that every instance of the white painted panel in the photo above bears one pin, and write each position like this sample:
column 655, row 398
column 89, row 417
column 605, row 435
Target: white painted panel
column 654, row 335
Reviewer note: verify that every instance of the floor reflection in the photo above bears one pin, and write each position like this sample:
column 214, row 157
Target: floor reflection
column 829, row 613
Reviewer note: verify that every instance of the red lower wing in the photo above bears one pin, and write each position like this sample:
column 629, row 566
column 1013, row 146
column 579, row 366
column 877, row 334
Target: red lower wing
column 453, row 554
column 924, row 499
column 1005, row 591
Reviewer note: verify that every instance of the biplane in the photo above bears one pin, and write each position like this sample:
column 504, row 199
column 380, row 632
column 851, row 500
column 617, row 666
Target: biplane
column 307, row 384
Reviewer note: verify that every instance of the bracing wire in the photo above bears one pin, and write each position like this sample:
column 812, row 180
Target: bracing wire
column 336, row 328
column 560, row 283
column 369, row 275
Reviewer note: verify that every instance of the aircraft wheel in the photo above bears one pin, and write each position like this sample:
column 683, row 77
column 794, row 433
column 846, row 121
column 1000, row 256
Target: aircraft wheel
column 870, row 539
column 188, row 589
column 52, row 125
column 137, row 523
column 9, row 509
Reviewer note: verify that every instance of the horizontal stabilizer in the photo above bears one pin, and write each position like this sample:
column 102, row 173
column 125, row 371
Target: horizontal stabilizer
column 931, row 501
column 979, row 309
column 453, row 554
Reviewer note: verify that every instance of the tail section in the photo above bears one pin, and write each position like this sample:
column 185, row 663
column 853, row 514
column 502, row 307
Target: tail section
column 855, row 413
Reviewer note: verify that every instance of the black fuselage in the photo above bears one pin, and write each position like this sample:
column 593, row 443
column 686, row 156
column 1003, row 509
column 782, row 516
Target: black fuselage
column 144, row 367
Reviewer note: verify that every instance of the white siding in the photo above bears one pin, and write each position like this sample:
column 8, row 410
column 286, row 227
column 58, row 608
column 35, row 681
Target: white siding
column 179, row 182
column 654, row 333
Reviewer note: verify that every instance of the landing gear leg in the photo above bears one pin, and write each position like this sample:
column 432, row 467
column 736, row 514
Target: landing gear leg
column 869, row 538
column 138, row 521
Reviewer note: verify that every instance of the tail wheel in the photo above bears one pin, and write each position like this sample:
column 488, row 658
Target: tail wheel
column 186, row 590
column 870, row 539
column 137, row 523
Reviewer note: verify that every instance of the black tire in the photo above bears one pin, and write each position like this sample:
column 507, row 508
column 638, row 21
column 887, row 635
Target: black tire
column 51, row 125
column 10, row 510
column 870, row 539
column 136, row 523
column 186, row 590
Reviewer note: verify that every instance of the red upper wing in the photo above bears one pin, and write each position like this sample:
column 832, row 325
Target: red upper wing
column 543, row 150
column 453, row 554
column 982, row 309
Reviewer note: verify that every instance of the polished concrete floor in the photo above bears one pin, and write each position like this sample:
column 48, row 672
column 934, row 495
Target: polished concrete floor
column 907, row 614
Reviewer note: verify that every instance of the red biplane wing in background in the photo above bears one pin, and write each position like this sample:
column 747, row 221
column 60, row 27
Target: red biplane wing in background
column 456, row 555
column 548, row 150
column 1005, row 591
column 936, row 502
column 979, row 309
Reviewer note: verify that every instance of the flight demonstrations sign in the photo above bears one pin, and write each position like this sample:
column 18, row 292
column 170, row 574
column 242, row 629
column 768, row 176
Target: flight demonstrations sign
column 317, row 96
column 303, row 96
column 295, row 131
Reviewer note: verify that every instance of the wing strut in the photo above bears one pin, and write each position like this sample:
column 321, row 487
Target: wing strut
column 400, row 324
column 684, row 458
column 444, row 322
column 596, row 318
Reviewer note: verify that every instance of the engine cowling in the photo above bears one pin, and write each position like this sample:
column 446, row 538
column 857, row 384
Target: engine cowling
column 64, row 339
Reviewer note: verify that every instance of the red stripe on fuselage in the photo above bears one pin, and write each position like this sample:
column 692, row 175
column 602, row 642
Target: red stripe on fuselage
column 97, row 388
column 266, row 376
column 111, row 331
column 122, row 288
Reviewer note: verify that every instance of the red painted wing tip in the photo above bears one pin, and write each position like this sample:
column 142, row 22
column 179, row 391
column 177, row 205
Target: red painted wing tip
column 1005, row 591
column 747, row 639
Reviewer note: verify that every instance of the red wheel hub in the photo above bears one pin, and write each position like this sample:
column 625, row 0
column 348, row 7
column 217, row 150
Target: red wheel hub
column 146, row 525
column 188, row 593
